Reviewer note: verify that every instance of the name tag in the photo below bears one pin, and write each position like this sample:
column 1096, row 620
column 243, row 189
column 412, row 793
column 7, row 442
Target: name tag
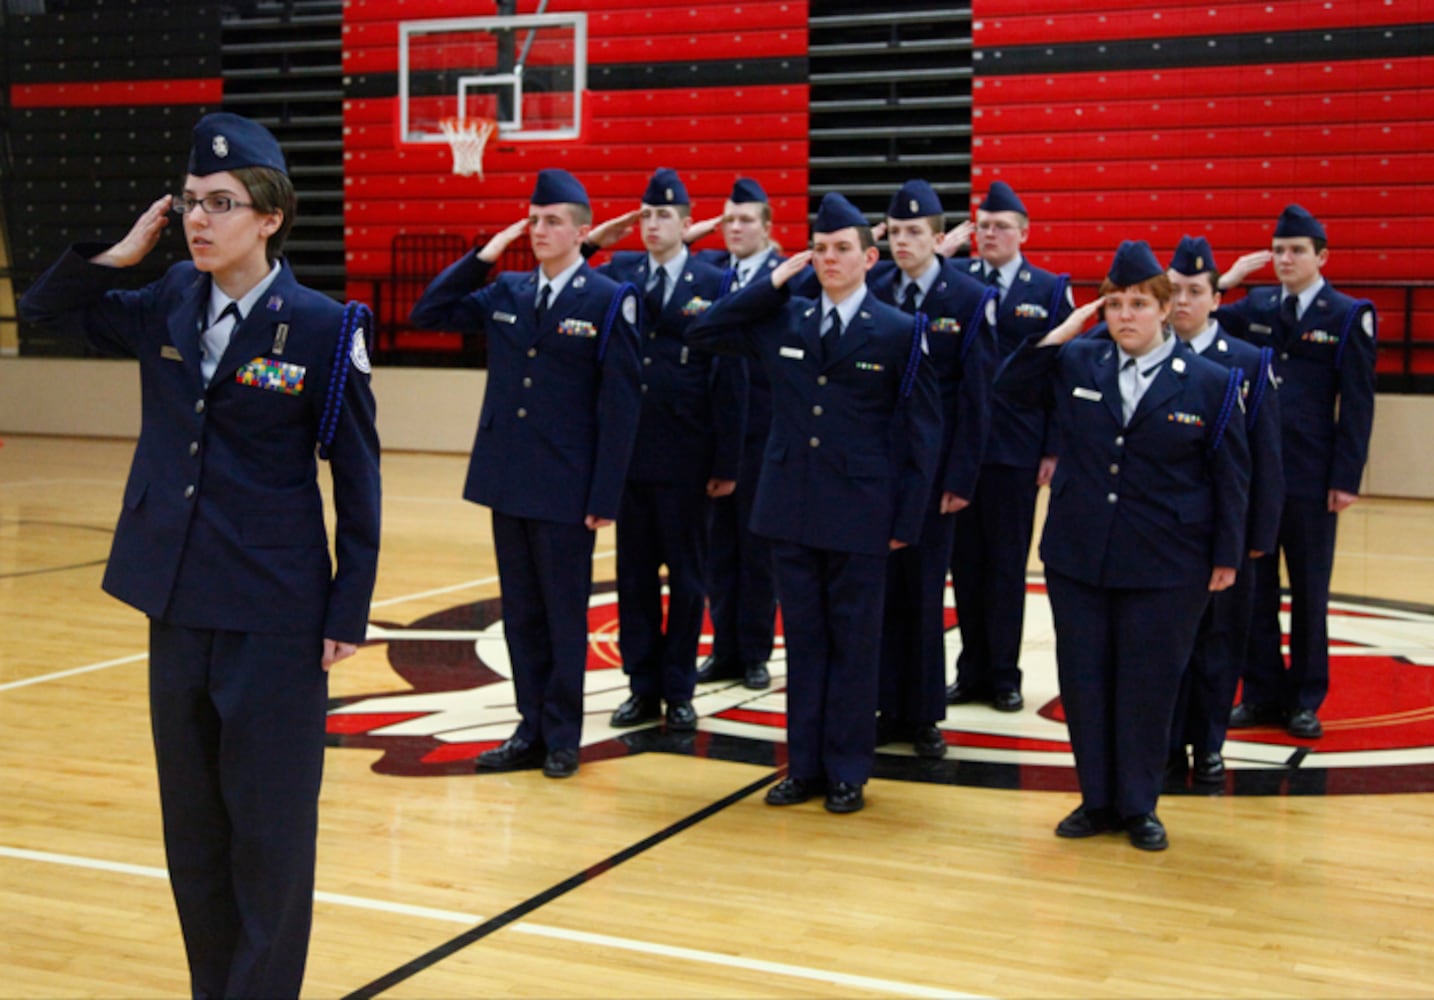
column 276, row 376
column 1081, row 392
column 502, row 317
column 1259, row 328
column 170, row 353
column 792, row 352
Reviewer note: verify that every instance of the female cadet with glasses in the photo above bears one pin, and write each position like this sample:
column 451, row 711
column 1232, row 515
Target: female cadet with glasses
column 244, row 375
column 1147, row 518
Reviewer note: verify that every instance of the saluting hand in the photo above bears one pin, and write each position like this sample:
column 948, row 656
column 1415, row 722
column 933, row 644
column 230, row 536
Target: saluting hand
column 495, row 246
column 605, row 234
column 1072, row 324
column 790, row 268
column 697, row 230
column 140, row 239
column 955, row 238
column 1243, row 268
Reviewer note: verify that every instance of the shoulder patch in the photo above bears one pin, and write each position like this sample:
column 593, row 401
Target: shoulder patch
column 991, row 311
column 1367, row 323
column 629, row 308
column 1070, row 297
column 359, row 354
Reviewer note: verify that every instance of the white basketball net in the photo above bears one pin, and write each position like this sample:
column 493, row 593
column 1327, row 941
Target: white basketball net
column 468, row 137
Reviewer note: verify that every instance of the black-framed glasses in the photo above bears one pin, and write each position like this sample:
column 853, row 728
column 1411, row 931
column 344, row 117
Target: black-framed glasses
column 213, row 204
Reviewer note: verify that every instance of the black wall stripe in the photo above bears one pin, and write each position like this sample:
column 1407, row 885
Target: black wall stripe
column 1389, row 42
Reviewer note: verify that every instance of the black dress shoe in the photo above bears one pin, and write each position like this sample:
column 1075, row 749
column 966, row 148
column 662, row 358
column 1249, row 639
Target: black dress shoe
column 681, row 716
column 790, row 791
column 965, row 694
column 928, row 742
column 1209, row 767
column 713, row 669
column 1303, row 724
column 635, row 711
column 1246, row 715
column 1008, row 701
column 1147, row 833
column 755, row 676
column 1083, row 822
column 844, row 797
column 512, row 753
column 561, row 763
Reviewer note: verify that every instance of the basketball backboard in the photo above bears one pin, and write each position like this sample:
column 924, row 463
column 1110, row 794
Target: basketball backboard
column 528, row 72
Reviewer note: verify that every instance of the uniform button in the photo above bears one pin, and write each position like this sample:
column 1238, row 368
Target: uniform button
column 522, row 412
column 189, row 491
column 1110, row 498
column 532, row 352
column 1114, row 469
column 1120, row 441
column 194, row 447
column 527, row 383
column 644, row 387
column 1285, row 356
column 652, row 335
column 647, row 361
column 199, row 406
column 821, row 380
column 815, row 442
column 816, row 411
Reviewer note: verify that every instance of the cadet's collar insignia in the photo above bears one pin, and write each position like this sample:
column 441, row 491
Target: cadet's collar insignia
column 915, row 206
column 275, row 303
column 687, row 277
column 771, row 263
column 220, row 145
column 359, row 353
column 1109, row 353
column 865, row 314
column 1321, row 303
column 1025, row 275
column 1221, row 346
column 579, row 281
column 532, row 281
column 941, row 285
column 974, row 266
column 1178, row 366
column 808, row 313
column 281, row 338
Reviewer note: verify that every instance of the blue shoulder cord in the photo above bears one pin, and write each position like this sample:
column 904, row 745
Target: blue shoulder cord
column 913, row 360
column 1263, row 373
column 1359, row 306
column 1227, row 408
column 622, row 292
column 356, row 316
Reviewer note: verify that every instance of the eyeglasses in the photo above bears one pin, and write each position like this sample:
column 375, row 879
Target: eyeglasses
column 991, row 225
column 213, row 204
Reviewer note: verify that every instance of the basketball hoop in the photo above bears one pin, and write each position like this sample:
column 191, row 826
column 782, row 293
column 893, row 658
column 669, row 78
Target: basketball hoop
column 468, row 137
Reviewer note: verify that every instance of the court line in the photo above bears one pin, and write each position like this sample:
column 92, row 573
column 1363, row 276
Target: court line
column 884, row 987
column 454, row 588
column 60, row 674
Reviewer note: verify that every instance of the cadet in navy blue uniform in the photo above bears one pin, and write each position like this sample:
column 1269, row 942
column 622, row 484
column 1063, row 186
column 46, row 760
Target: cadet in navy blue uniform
column 689, row 442
column 1208, row 689
column 960, row 315
column 554, row 438
column 1147, row 517
column 244, row 373
column 741, row 588
column 1323, row 343
column 836, row 492
column 993, row 533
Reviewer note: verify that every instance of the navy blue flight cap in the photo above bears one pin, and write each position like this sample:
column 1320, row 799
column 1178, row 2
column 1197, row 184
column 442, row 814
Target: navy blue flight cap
column 225, row 141
column 836, row 213
column 1134, row 262
column 746, row 191
column 1000, row 198
column 665, row 188
column 1193, row 256
column 915, row 200
column 558, row 187
column 1296, row 221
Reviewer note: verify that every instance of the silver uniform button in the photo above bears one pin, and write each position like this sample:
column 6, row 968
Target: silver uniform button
column 522, row 412
column 199, row 406
column 194, row 447
column 1120, row 441
column 1114, row 469
column 527, row 383
column 821, row 380
column 647, row 361
column 816, row 411
column 1110, row 498
column 189, row 491
column 815, row 442
column 652, row 335
column 532, row 352
column 1285, row 356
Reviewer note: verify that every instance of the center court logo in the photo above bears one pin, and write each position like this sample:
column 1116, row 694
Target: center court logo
column 1379, row 719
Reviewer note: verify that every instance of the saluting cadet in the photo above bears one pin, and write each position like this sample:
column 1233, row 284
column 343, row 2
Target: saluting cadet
column 1147, row 517
column 689, row 443
column 741, row 589
column 1208, row 689
column 960, row 315
column 1323, row 344
column 993, row 533
column 554, row 438
column 836, row 493
column 244, row 374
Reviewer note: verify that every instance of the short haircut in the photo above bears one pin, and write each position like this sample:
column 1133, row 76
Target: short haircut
column 1158, row 286
column 270, row 191
column 582, row 215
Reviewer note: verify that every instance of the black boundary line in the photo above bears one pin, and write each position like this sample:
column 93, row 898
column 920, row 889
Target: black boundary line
column 52, row 569
column 472, row 936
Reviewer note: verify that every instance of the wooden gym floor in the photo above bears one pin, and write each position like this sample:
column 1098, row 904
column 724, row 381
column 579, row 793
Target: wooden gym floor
column 661, row 873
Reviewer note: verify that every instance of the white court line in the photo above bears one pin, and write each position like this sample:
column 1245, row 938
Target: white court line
column 57, row 675
column 885, row 987
column 469, row 585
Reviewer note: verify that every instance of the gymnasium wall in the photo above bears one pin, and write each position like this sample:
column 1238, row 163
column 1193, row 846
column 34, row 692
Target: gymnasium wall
column 1121, row 119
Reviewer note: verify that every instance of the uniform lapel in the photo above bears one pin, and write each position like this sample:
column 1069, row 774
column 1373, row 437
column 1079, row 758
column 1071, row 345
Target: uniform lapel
column 566, row 304
column 185, row 324
column 1168, row 383
column 1107, row 378
column 255, row 336
column 854, row 337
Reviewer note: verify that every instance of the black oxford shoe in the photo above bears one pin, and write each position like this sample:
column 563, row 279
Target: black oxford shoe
column 1083, row 822
column 755, row 676
column 928, row 742
column 790, row 791
column 681, row 716
column 713, row 669
column 1304, row 725
column 561, row 763
column 964, row 694
column 1209, row 767
column 635, row 711
column 844, row 797
column 512, row 753
column 1008, row 701
column 1147, row 833
column 1246, row 716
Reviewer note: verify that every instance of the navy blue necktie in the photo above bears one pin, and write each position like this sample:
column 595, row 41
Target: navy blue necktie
column 832, row 337
column 908, row 301
column 655, row 293
column 1290, row 314
column 544, row 298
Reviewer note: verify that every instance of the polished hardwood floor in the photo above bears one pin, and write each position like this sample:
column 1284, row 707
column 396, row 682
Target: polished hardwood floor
column 661, row 873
